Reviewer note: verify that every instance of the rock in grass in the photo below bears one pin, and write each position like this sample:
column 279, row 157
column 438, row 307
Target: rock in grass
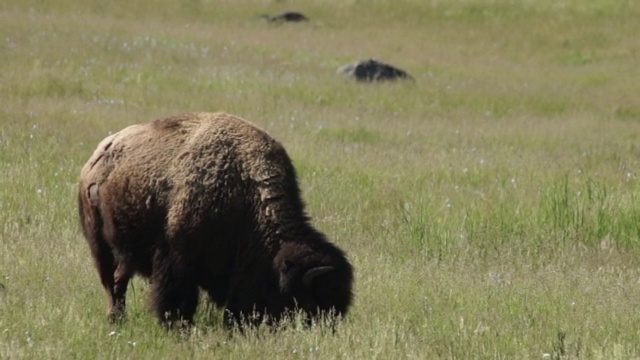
column 373, row 70
column 287, row 16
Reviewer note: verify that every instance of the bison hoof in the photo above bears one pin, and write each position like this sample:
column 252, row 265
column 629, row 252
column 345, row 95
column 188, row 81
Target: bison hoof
column 116, row 317
column 116, row 314
column 181, row 325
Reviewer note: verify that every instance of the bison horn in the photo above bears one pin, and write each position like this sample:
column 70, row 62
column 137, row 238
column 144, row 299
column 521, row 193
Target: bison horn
column 313, row 272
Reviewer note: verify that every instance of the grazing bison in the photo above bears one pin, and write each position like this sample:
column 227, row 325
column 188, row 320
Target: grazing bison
column 207, row 201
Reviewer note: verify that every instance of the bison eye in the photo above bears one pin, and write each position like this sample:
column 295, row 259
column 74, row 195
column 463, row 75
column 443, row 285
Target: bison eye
column 287, row 274
column 288, row 265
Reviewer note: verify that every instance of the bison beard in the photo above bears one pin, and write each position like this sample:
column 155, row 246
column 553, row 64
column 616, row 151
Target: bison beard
column 207, row 201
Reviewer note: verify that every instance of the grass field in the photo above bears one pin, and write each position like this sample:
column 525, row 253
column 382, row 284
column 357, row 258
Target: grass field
column 491, row 208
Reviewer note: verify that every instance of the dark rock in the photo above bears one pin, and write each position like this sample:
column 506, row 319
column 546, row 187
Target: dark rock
column 373, row 70
column 288, row 16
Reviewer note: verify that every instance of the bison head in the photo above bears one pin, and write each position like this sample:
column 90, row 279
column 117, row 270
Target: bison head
column 315, row 280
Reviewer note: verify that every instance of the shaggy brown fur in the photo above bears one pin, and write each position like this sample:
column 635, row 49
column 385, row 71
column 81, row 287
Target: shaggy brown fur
column 207, row 201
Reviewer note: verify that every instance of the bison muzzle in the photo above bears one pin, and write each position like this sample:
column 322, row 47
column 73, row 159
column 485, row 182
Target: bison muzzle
column 207, row 201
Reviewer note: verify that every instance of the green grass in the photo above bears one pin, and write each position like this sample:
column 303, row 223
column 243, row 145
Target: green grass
column 490, row 208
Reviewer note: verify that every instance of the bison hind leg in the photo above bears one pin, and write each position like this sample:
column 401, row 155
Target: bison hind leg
column 114, row 276
column 105, row 262
column 175, row 290
column 122, row 275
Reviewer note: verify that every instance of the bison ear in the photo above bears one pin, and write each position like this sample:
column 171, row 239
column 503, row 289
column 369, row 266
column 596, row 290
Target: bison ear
column 308, row 276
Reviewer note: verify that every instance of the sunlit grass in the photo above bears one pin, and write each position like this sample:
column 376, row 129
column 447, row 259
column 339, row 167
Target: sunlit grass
column 490, row 208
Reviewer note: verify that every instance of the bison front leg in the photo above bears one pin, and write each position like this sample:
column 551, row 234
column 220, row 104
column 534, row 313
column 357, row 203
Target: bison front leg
column 175, row 290
column 244, row 308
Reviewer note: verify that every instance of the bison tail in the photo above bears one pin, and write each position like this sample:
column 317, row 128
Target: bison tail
column 90, row 217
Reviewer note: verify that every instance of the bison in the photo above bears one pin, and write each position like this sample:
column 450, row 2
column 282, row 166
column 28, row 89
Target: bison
column 207, row 201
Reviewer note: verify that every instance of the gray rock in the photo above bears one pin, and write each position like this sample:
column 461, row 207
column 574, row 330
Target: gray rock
column 287, row 16
column 373, row 70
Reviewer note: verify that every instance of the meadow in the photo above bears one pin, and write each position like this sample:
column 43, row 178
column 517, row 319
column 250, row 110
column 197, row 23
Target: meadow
column 491, row 207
